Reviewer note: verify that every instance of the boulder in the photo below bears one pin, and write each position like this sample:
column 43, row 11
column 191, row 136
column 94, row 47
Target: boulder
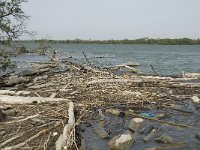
column 150, row 136
column 121, row 142
column 101, row 132
column 164, row 138
column 136, row 124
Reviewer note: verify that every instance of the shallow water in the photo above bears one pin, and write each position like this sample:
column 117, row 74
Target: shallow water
column 166, row 59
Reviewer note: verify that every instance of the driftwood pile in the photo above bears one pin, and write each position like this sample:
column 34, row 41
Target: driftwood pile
column 47, row 109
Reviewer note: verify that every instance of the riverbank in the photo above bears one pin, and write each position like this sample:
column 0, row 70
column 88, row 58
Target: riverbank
column 35, row 109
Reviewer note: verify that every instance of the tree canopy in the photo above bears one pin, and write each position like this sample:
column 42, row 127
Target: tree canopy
column 12, row 20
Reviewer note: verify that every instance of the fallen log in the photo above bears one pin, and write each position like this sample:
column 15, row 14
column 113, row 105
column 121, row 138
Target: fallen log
column 16, row 80
column 65, row 139
column 25, row 100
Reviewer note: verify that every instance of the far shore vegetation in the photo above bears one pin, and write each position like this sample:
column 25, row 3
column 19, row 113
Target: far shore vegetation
column 166, row 41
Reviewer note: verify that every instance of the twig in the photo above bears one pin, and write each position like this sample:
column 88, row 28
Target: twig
column 31, row 138
column 155, row 71
column 46, row 142
column 21, row 120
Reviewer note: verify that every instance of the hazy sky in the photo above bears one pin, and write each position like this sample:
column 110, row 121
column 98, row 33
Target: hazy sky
column 114, row 19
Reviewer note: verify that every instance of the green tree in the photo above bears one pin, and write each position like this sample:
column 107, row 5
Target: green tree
column 12, row 20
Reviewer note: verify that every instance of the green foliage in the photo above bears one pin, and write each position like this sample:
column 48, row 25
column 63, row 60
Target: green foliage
column 6, row 63
column 167, row 41
column 12, row 20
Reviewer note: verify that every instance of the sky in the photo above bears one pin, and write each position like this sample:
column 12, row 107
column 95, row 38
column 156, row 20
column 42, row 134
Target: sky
column 113, row 19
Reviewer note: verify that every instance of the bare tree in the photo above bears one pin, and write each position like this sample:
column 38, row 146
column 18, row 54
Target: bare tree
column 12, row 20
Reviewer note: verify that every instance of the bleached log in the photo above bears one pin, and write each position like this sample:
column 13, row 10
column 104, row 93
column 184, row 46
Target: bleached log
column 5, row 92
column 25, row 100
column 131, row 64
column 191, row 75
column 132, row 69
column 64, row 138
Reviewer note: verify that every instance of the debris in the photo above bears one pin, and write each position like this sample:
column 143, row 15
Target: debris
column 150, row 115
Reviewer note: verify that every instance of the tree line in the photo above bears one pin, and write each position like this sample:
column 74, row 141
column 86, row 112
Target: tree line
column 166, row 41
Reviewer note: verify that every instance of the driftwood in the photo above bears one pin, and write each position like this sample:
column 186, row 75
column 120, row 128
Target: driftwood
column 33, row 72
column 24, row 100
column 5, row 92
column 16, row 80
column 129, row 66
column 65, row 139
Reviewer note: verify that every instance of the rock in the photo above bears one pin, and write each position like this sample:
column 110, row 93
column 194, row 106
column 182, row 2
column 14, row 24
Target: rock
column 121, row 142
column 2, row 117
column 150, row 136
column 102, row 123
column 10, row 112
column 195, row 99
column 164, row 139
column 112, row 111
column 101, row 132
column 136, row 124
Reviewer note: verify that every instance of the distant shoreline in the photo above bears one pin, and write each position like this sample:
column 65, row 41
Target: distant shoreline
column 150, row 41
